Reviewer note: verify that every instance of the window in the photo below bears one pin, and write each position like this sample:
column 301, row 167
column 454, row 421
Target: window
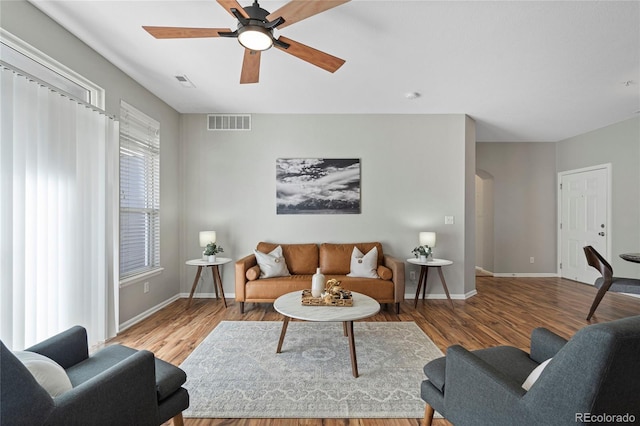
column 139, row 192
column 58, row 162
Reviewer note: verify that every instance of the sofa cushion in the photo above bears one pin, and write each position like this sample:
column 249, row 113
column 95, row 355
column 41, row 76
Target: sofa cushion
column 384, row 272
column 364, row 265
column 48, row 373
column 336, row 258
column 272, row 264
column 301, row 259
column 253, row 273
column 535, row 374
column 169, row 378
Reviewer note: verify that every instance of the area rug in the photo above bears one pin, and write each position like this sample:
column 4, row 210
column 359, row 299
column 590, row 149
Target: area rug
column 236, row 373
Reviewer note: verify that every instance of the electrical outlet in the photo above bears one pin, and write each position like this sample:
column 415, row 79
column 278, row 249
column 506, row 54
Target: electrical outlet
column 412, row 275
column 531, row 259
column 448, row 220
column 146, row 287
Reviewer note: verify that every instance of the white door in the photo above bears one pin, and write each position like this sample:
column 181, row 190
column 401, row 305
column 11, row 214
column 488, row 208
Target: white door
column 583, row 221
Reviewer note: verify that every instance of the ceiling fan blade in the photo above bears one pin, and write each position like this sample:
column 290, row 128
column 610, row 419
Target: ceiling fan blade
column 250, row 67
column 182, row 32
column 233, row 4
column 313, row 56
column 297, row 10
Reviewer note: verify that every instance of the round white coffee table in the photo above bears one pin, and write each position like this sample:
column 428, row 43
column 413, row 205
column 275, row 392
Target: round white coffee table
column 424, row 271
column 290, row 305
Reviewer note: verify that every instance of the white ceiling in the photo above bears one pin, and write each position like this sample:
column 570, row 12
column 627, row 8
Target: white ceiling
column 524, row 70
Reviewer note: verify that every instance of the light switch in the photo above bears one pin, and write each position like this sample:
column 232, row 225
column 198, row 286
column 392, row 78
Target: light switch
column 448, row 220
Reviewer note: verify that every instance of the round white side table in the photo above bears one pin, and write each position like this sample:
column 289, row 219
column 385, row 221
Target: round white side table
column 215, row 273
column 424, row 271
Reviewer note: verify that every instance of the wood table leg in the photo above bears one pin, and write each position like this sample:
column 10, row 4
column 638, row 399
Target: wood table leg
column 193, row 287
column 428, row 415
column 352, row 349
column 415, row 302
column 344, row 329
column 213, row 278
column 426, row 275
column 285, row 323
column 219, row 282
column 444, row 284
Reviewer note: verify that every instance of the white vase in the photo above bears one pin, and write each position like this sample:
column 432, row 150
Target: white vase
column 211, row 258
column 423, row 258
column 317, row 283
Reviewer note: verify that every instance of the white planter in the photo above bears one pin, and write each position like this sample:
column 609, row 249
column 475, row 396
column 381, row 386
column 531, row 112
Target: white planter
column 423, row 258
column 211, row 258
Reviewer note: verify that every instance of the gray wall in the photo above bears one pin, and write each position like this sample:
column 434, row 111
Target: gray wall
column 28, row 23
column 524, row 192
column 414, row 172
column 618, row 144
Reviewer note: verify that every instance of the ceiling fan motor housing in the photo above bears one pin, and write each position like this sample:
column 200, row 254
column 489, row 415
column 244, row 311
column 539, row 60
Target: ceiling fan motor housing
column 256, row 24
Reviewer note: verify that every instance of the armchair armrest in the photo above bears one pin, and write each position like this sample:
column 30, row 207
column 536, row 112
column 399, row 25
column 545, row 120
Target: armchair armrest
column 479, row 391
column 545, row 344
column 242, row 265
column 123, row 394
column 397, row 269
column 67, row 348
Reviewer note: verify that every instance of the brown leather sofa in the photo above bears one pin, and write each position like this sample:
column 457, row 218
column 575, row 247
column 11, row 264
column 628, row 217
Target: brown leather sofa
column 334, row 261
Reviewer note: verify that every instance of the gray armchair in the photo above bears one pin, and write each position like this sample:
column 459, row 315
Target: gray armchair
column 115, row 386
column 596, row 372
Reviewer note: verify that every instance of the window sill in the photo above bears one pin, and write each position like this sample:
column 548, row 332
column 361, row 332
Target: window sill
column 140, row 277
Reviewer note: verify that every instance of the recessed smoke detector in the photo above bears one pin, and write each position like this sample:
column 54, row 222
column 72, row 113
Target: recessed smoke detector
column 184, row 81
column 412, row 95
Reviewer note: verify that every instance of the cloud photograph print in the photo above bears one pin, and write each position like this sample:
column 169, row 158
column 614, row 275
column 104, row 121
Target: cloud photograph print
column 317, row 186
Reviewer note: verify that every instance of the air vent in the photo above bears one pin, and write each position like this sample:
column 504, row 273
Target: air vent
column 229, row 122
column 184, row 81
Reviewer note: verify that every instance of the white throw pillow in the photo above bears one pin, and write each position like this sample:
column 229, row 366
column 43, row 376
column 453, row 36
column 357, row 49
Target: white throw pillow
column 272, row 264
column 48, row 373
column 364, row 266
column 534, row 375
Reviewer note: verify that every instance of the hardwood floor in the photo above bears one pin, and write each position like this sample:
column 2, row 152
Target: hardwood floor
column 504, row 312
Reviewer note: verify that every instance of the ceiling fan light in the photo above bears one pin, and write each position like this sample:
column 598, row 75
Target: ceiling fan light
column 255, row 38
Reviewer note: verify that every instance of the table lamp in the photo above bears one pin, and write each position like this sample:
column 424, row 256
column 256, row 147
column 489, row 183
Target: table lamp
column 428, row 239
column 207, row 237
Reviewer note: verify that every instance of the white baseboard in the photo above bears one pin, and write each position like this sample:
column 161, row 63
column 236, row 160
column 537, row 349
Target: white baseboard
column 147, row 313
column 206, row 295
column 438, row 296
column 525, row 274
column 483, row 272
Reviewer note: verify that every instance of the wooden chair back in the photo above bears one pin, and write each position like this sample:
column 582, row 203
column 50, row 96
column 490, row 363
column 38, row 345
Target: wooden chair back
column 595, row 260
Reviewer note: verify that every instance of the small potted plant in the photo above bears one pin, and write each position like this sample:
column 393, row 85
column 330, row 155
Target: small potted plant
column 211, row 250
column 422, row 252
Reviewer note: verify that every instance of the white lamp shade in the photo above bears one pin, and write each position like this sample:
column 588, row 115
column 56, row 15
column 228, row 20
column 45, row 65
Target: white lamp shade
column 254, row 38
column 207, row 237
column 428, row 239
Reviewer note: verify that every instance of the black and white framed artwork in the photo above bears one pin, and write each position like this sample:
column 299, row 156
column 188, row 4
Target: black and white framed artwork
column 318, row 186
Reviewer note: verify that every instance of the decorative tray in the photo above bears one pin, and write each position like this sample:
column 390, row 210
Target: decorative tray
column 342, row 298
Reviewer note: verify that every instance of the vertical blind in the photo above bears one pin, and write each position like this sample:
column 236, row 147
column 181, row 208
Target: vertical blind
column 139, row 192
column 55, row 161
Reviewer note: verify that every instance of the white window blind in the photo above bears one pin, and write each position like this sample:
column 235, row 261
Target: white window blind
column 139, row 192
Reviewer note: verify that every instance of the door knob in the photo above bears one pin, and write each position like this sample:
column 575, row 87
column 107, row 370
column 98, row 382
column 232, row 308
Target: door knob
column 601, row 234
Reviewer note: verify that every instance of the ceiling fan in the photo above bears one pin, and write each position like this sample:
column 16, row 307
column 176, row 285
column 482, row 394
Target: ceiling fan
column 255, row 33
